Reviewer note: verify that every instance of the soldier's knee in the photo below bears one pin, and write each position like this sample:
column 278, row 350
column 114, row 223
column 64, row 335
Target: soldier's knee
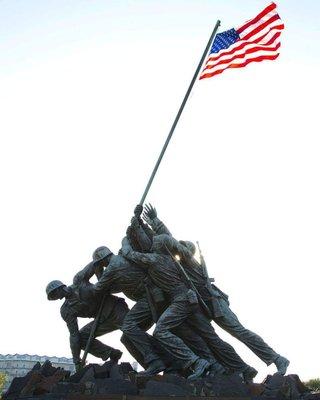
column 127, row 327
column 239, row 331
column 84, row 335
column 122, row 310
column 159, row 332
column 123, row 339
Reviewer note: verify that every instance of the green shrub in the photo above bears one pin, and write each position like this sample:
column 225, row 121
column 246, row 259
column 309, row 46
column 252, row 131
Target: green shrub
column 314, row 384
column 3, row 379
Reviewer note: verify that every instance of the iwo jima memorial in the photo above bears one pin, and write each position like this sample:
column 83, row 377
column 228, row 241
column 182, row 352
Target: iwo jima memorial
column 173, row 294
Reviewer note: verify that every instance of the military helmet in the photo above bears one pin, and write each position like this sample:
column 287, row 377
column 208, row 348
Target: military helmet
column 189, row 245
column 100, row 253
column 52, row 286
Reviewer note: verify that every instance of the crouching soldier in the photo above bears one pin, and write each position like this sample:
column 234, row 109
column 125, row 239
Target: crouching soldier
column 81, row 301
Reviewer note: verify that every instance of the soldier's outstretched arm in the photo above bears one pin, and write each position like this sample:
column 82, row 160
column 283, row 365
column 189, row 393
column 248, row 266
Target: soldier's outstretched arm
column 150, row 215
column 144, row 259
column 85, row 274
column 177, row 248
column 147, row 230
column 105, row 281
column 125, row 246
column 75, row 343
column 143, row 240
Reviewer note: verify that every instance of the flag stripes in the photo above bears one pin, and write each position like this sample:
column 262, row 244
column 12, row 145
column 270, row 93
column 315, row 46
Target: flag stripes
column 243, row 45
column 258, row 40
column 252, row 21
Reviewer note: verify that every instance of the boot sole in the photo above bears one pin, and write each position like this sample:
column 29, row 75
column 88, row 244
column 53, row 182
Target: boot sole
column 199, row 374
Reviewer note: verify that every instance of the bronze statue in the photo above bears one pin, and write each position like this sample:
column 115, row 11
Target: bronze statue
column 176, row 296
column 218, row 303
column 82, row 301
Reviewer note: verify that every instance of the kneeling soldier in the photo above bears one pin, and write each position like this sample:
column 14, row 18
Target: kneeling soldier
column 82, row 301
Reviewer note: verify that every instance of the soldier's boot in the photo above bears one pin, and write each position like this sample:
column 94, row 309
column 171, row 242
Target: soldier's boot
column 282, row 364
column 249, row 373
column 216, row 369
column 115, row 355
column 199, row 367
column 155, row 367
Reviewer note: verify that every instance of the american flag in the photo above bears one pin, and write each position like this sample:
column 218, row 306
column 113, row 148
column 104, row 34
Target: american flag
column 256, row 40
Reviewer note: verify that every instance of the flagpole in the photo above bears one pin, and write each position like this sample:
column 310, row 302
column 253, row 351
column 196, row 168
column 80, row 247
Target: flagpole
column 175, row 122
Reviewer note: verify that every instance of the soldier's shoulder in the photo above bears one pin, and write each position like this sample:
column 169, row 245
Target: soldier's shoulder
column 67, row 310
column 117, row 260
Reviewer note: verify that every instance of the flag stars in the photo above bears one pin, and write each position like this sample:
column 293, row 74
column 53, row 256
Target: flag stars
column 224, row 40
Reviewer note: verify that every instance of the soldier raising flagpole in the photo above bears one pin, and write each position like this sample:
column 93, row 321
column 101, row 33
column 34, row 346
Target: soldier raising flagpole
column 160, row 274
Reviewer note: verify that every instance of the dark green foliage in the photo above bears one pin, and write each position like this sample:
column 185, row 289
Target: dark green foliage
column 313, row 384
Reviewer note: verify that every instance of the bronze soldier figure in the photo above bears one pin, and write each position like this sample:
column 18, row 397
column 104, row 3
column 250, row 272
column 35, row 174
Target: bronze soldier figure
column 131, row 278
column 218, row 302
column 121, row 275
column 183, row 307
column 146, row 312
column 82, row 301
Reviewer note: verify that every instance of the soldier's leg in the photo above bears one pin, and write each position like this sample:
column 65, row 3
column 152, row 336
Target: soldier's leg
column 196, row 343
column 136, row 354
column 175, row 315
column 222, row 350
column 230, row 323
column 114, row 318
column 134, row 327
column 108, row 322
column 97, row 348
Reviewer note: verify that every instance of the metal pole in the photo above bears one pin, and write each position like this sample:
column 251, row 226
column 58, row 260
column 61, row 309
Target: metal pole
column 93, row 331
column 179, row 113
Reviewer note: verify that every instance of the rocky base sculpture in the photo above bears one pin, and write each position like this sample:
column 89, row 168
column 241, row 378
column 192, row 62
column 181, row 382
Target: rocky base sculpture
column 120, row 381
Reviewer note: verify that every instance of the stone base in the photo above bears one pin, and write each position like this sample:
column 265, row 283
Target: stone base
column 119, row 382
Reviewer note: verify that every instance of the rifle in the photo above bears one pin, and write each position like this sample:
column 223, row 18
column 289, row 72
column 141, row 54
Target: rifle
column 191, row 285
column 210, row 280
column 204, row 265
column 92, row 332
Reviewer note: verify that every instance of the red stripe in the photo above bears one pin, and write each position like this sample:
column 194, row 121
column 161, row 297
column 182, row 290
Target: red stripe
column 257, row 59
column 261, row 27
column 271, row 7
column 243, row 55
column 276, row 28
column 243, row 44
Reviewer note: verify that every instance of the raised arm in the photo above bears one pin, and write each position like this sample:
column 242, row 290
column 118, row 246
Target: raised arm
column 151, row 217
column 140, row 233
column 143, row 241
column 105, row 281
column 143, row 259
column 86, row 273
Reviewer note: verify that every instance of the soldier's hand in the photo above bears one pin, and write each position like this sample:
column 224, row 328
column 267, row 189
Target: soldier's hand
column 78, row 366
column 138, row 210
column 149, row 213
column 135, row 222
column 129, row 231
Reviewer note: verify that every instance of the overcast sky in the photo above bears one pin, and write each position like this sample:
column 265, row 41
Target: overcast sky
column 88, row 92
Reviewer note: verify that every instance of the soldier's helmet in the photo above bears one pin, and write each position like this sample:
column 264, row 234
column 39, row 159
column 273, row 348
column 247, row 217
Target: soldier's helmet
column 51, row 287
column 100, row 253
column 189, row 245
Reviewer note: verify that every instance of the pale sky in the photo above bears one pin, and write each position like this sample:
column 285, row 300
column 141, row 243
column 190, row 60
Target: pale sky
column 88, row 92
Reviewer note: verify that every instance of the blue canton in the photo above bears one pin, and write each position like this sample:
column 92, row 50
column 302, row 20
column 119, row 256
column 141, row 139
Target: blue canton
column 224, row 40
